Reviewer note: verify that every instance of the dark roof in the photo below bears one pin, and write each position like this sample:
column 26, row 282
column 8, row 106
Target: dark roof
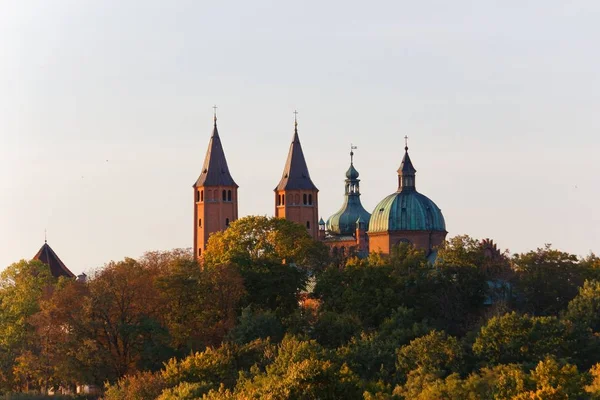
column 406, row 167
column 49, row 257
column 295, row 173
column 215, row 171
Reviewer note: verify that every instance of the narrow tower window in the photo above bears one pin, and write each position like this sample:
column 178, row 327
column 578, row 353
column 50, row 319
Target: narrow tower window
column 226, row 222
column 199, row 251
column 307, row 224
column 278, row 199
column 310, row 199
column 229, row 195
column 283, row 199
column 304, row 199
column 202, row 195
column 200, row 223
column 224, row 195
column 197, row 196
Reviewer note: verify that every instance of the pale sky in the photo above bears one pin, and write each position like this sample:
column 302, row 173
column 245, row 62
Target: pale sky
column 105, row 115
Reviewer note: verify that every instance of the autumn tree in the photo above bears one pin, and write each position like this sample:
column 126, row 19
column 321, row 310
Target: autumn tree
column 22, row 286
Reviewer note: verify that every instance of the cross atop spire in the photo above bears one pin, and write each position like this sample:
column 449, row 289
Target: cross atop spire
column 295, row 118
column 405, row 143
column 45, row 236
column 215, row 114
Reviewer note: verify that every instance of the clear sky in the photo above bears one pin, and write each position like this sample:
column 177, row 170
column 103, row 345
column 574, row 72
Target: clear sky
column 105, row 114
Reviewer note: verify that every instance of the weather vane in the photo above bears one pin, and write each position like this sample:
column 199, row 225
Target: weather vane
column 352, row 147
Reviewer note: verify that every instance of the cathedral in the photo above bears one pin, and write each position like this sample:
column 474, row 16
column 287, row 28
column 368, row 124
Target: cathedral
column 405, row 216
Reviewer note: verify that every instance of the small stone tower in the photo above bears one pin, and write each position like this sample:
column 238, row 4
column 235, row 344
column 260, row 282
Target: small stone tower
column 215, row 195
column 296, row 196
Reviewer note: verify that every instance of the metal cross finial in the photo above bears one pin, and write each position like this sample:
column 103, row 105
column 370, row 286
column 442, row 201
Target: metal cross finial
column 352, row 147
column 405, row 142
column 295, row 118
column 215, row 113
column 45, row 236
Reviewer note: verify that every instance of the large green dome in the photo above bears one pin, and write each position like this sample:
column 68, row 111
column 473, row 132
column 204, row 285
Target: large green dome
column 406, row 211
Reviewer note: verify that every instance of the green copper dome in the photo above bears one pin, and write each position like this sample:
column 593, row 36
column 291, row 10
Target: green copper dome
column 344, row 221
column 406, row 211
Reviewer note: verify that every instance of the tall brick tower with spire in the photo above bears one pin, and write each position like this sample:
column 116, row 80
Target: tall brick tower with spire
column 215, row 194
column 296, row 196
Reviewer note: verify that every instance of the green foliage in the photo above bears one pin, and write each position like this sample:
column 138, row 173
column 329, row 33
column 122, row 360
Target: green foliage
column 301, row 370
column 547, row 279
column 435, row 353
column 584, row 309
column 164, row 327
column 515, row 338
column 256, row 324
column 333, row 330
column 261, row 240
column 274, row 257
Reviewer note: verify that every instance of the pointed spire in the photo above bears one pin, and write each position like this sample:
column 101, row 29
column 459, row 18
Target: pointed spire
column 49, row 257
column 406, row 172
column 215, row 171
column 352, row 173
column 295, row 173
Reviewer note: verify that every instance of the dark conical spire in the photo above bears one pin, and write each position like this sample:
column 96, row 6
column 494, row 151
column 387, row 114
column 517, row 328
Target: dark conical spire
column 295, row 173
column 215, row 171
column 406, row 172
column 49, row 257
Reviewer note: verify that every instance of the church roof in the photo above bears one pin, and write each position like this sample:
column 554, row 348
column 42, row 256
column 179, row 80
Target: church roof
column 295, row 173
column 49, row 257
column 215, row 171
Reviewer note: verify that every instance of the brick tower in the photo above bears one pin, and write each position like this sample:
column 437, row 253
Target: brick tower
column 215, row 195
column 296, row 196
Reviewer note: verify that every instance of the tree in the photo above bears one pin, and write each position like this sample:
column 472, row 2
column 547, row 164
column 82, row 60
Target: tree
column 515, row 338
column 435, row 352
column 300, row 370
column 274, row 257
column 261, row 240
column 22, row 286
column 547, row 280
column 584, row 309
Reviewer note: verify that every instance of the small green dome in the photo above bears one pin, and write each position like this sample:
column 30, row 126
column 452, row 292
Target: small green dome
column 352, row 173
column 344, row 221
column 406, row 210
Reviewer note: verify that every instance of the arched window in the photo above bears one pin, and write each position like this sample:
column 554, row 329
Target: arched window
column 229, row 195
column 224, row 195
column 310, row 199
column 307, row 224
column 202, row 195
column 304, row 199
column 283, row 199
column 226, row 222
column 297, row 199
column 200, row 223
column 197, row 196
column 199, row 251
column 278, row 199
